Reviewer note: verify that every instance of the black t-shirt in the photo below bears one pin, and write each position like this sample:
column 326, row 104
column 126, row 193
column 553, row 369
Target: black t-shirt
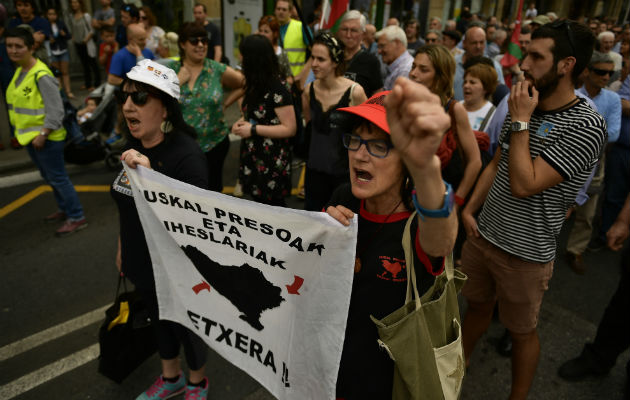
column 214, row 38
column 378, row 289
column 178, row 157
column 365, row 69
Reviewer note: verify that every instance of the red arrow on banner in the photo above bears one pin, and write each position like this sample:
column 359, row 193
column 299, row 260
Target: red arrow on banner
column 198, row 288
column 296, row 285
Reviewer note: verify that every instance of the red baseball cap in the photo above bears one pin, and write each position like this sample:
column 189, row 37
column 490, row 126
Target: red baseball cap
column 373, row 110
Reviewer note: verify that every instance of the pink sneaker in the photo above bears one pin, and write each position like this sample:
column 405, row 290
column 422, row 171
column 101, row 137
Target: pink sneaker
column 197, row 392
column 70, row 226
column 162, row 389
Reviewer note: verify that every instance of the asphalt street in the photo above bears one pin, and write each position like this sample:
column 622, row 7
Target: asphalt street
column 53, row 290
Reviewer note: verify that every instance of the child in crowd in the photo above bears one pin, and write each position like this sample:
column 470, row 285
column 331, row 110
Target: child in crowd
column 59, row 49
column 86, row 112
column 108, row 47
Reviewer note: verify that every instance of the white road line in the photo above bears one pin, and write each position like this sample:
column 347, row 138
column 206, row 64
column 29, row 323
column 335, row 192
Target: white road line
column 52, row 333
column 51, row 371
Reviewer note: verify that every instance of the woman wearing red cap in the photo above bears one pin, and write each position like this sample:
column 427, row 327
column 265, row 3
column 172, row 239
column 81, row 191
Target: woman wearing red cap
column 388, row 154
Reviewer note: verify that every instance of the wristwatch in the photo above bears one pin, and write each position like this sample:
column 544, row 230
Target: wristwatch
column 252, row 131
column 42, row 133
column 445, row 211
column 518, row 126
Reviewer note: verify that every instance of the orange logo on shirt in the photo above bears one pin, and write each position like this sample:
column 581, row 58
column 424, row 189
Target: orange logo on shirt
column 393, row 269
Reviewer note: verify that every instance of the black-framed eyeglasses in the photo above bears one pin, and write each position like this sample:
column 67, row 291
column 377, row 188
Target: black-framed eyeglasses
column 195, row 41
column 563, row 23
column 138, row 98
column 376, row 147
column 602, row 72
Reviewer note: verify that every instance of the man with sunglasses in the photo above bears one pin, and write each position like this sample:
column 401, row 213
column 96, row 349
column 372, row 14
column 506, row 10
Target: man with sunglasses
column 127, row 57
column 606, row 41
column 550, row 142
column 609, row 106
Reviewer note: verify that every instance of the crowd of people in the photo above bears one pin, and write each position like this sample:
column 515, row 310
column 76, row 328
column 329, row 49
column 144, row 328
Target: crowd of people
column 493, row 156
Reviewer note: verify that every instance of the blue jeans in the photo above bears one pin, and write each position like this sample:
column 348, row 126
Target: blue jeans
column 617, row 185
column 50, row 163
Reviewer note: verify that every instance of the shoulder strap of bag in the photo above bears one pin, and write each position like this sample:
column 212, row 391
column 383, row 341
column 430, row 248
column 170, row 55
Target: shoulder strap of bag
column 487, row 118
column 409, row 261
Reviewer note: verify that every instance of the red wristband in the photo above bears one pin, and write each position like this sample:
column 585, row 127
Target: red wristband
column 460, row 201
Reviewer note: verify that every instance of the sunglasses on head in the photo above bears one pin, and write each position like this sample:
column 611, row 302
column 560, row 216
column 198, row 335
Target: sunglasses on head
column 195, row 41
column 138, row 98
column 601, row 72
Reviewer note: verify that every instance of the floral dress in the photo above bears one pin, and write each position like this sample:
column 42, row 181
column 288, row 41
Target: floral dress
column 202, row 106
column 265, row 163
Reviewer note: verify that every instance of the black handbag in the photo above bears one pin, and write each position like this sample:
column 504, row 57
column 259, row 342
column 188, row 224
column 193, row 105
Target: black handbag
column 126, row 336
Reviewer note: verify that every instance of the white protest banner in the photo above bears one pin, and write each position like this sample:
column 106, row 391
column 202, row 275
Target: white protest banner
column 267, row 288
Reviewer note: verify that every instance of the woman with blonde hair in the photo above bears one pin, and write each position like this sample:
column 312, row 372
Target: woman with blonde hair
column 434, row 67
column 154, row 32
column 168, row 47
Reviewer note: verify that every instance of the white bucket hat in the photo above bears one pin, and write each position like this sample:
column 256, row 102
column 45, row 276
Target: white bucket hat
column 156, row 75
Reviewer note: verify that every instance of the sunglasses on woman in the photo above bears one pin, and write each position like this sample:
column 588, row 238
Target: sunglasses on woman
column 138, row 98
column 377, row 147
column 195, row 41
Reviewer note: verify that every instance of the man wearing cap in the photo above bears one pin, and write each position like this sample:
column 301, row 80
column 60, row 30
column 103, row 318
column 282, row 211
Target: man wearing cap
column 539, row 21
column 362, row 67
column 392, row 46
column 129, row 14
column 124, row 59
column 474, row 46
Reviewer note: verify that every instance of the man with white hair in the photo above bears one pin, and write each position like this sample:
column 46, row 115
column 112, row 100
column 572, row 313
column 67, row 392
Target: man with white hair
column 606, row 41
column 362, row 67
column 474, row 46
column 435, row 23
column 392, row 46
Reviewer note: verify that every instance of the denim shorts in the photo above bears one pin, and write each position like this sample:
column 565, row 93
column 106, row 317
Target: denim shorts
column 61, row 57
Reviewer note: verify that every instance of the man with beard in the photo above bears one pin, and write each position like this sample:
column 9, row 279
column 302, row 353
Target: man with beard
column 549, row 144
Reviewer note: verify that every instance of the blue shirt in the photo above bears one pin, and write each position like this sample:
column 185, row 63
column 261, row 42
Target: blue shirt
column 624, row 134
column 609, row 106
column 458, row 83
column 123, row 61
column 400, row 67
column 37, row 23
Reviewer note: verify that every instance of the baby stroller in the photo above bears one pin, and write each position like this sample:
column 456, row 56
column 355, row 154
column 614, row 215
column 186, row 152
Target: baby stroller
column 88, row 143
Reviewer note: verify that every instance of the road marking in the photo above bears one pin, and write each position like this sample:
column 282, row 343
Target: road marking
column 52, row 333
column 51, row 371
column 14, row 205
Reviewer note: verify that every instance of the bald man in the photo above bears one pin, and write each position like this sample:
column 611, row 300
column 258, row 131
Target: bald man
column 127, row 57
column 474, row 46
column 368, row 39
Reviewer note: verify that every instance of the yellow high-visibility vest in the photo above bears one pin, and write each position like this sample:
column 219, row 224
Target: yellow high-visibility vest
column 26, row 106
column 294, row 46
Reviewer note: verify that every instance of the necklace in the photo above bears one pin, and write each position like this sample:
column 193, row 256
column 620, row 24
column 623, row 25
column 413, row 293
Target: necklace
column 357, row 260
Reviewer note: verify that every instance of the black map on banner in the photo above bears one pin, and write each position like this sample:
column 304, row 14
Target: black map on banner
column 245, row 286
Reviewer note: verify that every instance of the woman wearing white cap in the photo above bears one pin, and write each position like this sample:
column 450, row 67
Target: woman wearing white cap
column 158, row 138
column 391, row 149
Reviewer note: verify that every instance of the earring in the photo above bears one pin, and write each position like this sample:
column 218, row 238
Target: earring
column 166, row 126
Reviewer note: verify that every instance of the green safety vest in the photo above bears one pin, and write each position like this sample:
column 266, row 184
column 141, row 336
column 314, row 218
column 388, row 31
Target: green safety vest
column 294, row 46
column 26, row 106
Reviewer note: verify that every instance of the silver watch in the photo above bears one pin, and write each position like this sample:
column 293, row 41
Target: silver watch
column 518, row 126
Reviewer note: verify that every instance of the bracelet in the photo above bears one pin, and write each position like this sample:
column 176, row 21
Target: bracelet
column 443, row 212
column 460, row 201
column 253, row 131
